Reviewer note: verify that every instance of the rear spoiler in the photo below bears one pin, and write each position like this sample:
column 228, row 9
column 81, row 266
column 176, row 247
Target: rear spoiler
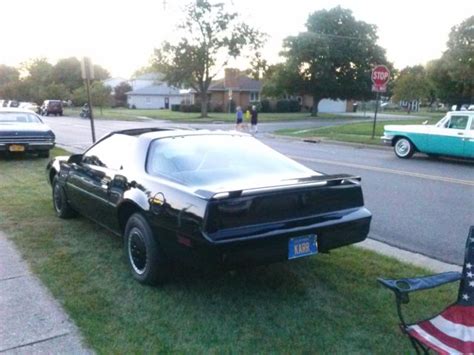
column 316, row 180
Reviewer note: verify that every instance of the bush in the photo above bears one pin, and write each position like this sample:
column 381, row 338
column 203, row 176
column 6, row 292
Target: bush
column 176, row 107
column 283, row 106
column 265, row 106
column 288, row 106
column 190, row 108
column 294, row 106
column 218, row 108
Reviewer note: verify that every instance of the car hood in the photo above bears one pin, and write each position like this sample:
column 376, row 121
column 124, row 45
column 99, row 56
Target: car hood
column 8, row 128
column 418, row 128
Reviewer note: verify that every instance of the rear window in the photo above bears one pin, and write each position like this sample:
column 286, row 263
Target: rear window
column 217, row 159
column 18, row 117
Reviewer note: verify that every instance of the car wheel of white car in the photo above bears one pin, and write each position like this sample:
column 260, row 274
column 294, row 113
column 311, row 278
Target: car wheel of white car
column 404, row 148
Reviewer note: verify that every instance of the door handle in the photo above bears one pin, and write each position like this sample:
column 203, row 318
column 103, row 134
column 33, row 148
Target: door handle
column 460, row 133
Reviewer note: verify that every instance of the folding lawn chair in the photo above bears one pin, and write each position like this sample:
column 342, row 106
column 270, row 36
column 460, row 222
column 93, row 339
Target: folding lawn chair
column 451, row 331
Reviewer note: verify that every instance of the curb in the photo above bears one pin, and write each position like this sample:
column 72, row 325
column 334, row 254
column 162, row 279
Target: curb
column 328, row 141
column 408, row 257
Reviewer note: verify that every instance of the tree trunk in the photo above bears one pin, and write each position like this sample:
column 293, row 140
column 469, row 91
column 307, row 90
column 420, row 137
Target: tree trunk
column 204, row 101
column 314, row 109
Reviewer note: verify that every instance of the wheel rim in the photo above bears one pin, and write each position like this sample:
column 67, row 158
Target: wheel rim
column 402, row 147
column 137, row 251
column 57, row 198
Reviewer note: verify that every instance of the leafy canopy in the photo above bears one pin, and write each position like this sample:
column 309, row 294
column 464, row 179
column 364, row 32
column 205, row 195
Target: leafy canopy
column 332, row 59
column 211, row 37
column 453, row 73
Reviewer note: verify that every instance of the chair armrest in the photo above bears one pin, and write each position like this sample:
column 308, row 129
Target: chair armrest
column 420, row 283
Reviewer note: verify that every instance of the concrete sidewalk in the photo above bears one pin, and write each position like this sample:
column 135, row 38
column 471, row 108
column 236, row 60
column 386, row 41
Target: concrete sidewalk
column 31, row 320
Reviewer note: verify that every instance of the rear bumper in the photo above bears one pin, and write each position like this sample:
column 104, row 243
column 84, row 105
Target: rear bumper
column 351, row 227
column 29, row 146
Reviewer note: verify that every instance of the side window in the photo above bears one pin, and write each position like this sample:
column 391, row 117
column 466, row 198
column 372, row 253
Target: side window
column 458, row 122
column 472, row 124
column 111, row 153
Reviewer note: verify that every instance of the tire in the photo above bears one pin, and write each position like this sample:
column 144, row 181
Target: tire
column 47, row 113
column 144, row 257
column 61, row 205
column 43, row 153
column 404, row 148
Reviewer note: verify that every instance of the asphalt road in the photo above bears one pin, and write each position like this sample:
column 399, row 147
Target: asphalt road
column 421, row 205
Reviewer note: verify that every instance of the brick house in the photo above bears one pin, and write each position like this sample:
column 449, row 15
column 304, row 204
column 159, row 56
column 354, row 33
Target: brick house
column 235, row 86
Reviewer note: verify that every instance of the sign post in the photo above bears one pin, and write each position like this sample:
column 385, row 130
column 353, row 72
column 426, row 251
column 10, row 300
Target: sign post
column 380, row 77
column 87, row 71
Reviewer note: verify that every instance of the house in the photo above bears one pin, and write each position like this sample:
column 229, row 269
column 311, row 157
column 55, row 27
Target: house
column 157, row 96
column 235, row 86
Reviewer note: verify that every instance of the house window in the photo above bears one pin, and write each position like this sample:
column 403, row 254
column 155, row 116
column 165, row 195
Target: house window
column 254, row 96
column 148, row 99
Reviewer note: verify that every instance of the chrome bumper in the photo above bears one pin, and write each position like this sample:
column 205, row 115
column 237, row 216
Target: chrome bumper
column 387, row 140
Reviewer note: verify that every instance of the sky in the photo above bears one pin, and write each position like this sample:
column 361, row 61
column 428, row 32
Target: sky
column 121, row 35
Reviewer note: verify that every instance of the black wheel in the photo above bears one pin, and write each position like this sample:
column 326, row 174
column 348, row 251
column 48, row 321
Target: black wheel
column 61, row 113
column 143, row 253
column 61, row 205
column 403, row 148
column 43, row 153
column 47, row 113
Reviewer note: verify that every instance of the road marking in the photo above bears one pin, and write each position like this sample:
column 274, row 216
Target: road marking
column 389, row 171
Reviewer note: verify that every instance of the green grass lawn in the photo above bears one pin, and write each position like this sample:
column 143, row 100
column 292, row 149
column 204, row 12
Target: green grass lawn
column 132, row 115
column 323, row 304
column 352, row 132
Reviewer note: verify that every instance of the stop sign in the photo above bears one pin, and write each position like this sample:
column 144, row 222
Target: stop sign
column 380, row 75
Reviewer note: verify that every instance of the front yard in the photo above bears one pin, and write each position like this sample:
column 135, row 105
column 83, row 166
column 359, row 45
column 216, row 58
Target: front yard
column 351, row 132
column 324, row 304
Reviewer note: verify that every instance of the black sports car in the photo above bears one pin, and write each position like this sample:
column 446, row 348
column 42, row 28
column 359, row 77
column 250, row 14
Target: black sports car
column 23, row 131
column 206, row 197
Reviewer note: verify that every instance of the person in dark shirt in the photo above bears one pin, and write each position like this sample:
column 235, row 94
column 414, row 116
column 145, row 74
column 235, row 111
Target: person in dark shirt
column 254, row 119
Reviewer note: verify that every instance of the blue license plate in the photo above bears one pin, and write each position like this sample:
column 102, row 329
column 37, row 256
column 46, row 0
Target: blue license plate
column 302, row 246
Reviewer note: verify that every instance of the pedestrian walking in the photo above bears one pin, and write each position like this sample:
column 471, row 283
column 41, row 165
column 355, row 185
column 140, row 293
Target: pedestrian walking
column 239, row 118
column 254, row 119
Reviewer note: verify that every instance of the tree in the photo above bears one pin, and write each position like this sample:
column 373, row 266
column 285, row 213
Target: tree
column 8, row 74
column 57, row 91
column 210, row 33
column 100, row 73
column 412, row 84
column 333, row 58
column 120, row 94
column 67, row 71
column 100, row 95
column 453, row 73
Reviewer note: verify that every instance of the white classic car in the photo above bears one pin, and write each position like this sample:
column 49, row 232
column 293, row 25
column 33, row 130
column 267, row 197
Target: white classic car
column 453, row 135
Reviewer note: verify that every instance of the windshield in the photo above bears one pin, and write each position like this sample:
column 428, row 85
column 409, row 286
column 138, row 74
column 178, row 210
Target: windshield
column 18, row 117
column 204, row 160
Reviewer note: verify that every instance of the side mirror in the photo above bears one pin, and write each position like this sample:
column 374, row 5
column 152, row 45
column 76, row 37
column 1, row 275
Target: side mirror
column 75, row 158
column 425, row 122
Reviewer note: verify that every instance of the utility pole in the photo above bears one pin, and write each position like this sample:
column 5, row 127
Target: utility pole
column 87, row 70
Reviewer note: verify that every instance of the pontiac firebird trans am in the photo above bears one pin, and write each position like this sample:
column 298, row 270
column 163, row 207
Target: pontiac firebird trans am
column 206, row 198
column 453, row 135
